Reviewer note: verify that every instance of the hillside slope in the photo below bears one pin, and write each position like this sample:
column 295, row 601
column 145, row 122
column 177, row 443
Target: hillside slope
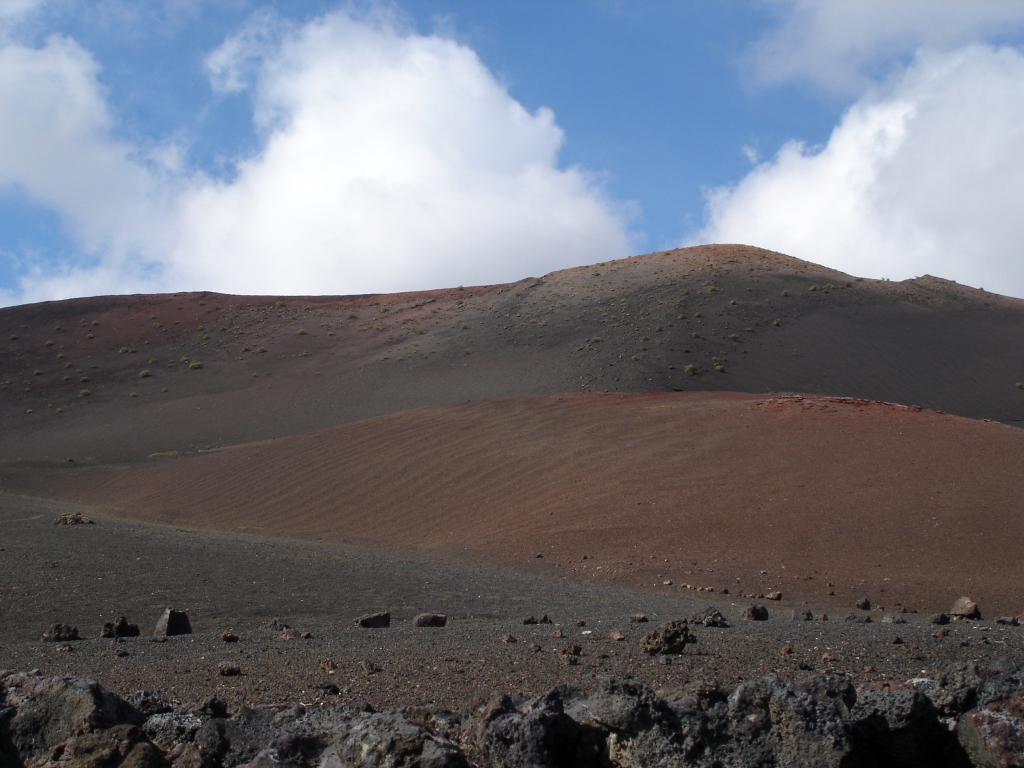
column 277, row 366
column 827, row 500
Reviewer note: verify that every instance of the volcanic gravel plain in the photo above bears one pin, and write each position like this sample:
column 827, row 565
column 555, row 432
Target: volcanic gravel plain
column 701, row 428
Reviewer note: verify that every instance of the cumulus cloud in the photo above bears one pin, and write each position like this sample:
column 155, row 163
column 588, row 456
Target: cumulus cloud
column 844, row 44
column 922, row 175
column 389, row 160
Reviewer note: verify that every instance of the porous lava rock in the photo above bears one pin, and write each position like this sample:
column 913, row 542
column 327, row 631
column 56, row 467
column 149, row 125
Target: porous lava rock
column 120, row 628
column 993, row 736
column 755, row 613
column 670, row 637
column 59, row 633
column 380, row 620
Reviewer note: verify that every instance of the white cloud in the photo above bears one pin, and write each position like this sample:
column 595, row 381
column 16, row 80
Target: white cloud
column 920, row 176
column 843, row 44
column 390, row 161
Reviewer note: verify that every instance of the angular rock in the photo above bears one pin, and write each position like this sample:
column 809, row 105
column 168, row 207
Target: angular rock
column 172, row 623
column 863, row 604
column 965, row 608
column 802, row 614
column 59, row 633
column 773, row 595
column 228, row 669
column 669, row 638
column 229, row 637
column 1009, row 621
column 291, row 634
column 375, row 620
column 120, row 628
column 755, row 613
column 571, row 649
column 939, row 618
column 430, row 620
column 994, row 735
column 638, row 618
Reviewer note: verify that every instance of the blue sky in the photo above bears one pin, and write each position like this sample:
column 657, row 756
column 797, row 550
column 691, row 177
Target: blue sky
column 314, row 147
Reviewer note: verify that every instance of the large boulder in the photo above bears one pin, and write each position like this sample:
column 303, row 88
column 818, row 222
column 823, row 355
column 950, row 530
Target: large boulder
column 44, row 712
column 375, row 620
column 965, row 608
column 993, row 736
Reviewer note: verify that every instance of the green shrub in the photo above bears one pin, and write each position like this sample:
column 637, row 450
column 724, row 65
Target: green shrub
column 195, row 364
column 690, row 370
column 696, row 314
column 694, row 335
column 719, row 367
column 734, row 337
column 785, row 293
column 144, row 373
column 84, row 393
column 776, row 322
column 301, row 332
column 1019, row 385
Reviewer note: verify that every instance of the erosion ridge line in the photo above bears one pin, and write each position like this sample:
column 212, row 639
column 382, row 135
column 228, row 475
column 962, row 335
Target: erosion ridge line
column 274, row 366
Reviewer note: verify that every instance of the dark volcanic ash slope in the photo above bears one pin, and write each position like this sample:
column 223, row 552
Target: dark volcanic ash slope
column 272, row 367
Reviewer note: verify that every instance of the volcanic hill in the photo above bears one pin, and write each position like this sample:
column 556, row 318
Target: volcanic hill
column 124, row 377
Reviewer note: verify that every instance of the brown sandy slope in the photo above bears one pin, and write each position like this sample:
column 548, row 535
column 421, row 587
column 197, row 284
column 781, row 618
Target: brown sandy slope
column 810, row 496
column 623, row 326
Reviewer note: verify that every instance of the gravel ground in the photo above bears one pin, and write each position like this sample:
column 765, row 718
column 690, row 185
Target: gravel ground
column 89, row 574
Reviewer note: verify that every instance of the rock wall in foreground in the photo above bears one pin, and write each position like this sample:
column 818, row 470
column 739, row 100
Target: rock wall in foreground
column 967, row 716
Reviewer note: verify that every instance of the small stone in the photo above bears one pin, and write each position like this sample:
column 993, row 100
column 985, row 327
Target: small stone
column 638, row 618
column 370, row 668
column 773, row 595
column 375, row 620
column 229, row 669
column 863, row 604
column 965, row 608
column 306, row 636
column 616, row 637
column 510, row 639
column 755, row 613
column 869, row 669
column 173, row 623
column 571, row 649
column 291, row 634
column 667, row 583
column 939, row 618
column 59, row 633
column 328, row 666
column 430, row 620
column 581, row 623
column 822, row 617
column 888, row 619
column 787, row 650
column 330, row 688
column 1010, row 621
column 230, row 637
column 535, row 648
column 558, row 634
column 898, row 641
column 942, row 633
column 278, row 625
column 802, row 614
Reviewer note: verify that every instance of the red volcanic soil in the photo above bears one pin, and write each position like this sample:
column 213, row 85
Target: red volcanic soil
column 827, row 500
column 709, row 318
